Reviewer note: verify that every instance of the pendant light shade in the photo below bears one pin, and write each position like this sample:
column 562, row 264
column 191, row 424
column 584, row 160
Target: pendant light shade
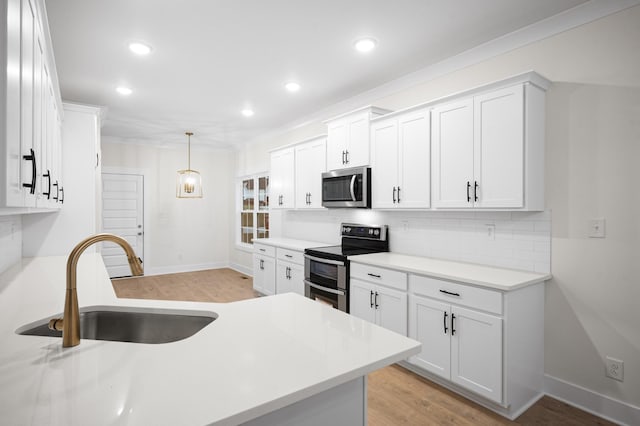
column 189, row 182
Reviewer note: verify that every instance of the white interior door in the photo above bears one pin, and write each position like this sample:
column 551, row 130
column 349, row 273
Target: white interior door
column 122, row 215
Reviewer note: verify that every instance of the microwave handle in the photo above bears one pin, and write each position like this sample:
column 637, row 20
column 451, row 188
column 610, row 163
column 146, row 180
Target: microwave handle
column 352, row 187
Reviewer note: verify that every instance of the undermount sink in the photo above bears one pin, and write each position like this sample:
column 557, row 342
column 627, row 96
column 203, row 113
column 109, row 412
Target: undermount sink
column 134, row 325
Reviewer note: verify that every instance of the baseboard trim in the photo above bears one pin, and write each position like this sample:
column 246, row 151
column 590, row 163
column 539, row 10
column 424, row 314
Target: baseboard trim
column 184, row 268
column 592, row 402
column 242, row 269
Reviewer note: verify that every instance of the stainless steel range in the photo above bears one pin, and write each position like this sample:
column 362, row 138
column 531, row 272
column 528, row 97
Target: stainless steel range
column 326, row 269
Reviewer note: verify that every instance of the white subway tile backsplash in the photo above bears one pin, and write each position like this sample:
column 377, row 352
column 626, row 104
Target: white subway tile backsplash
column 520, row 240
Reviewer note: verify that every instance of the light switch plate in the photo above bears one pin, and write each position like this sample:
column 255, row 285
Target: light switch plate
column 597, row 228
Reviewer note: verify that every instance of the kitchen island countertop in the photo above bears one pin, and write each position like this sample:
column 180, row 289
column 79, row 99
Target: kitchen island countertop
column 258, row 356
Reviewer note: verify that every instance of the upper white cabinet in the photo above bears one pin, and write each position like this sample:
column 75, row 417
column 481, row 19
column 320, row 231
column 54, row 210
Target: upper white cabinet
column 30, row 110
column 310, row 162
column 282, row 179
column 488, row 150
column 348, row 138
column 400, row 162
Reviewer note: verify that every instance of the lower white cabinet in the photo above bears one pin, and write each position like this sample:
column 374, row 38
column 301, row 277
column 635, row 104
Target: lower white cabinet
column 379, row 305
column 289, row 278
column 458, row 344
column 264, row 269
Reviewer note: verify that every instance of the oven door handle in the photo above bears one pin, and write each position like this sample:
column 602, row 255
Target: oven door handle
column 321, row 260
column 328, row 290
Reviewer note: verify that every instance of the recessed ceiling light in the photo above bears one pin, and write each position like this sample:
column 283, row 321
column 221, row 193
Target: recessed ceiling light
column 124, row 91
column 247, row 112
column 292, row 86
column 140, row 48
column 365, row 44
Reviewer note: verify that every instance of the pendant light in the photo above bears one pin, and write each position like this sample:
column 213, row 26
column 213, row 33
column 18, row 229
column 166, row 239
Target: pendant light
column 189, row 184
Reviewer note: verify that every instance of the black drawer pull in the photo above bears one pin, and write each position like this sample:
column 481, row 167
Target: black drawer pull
column 288, row 255
column 450, row 293
column 374, row 275
column 262, row 249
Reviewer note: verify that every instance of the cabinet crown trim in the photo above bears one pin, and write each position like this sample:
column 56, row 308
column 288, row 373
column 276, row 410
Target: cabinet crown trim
column 370, row 108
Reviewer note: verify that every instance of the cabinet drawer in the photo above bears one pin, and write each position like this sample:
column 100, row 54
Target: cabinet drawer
column 264, row 250
column 290, row 256
column 382, row 276
column 460, row 294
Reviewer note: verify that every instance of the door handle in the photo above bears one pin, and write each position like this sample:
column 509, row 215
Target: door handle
column 343, row 159
column 468, row 188
column 352, row 187
column 48, row 176
column 453, row 330
column 398, row 195
column 371, row 298
column 31, row 157
column 376, row 300
column 475, row 190
column 394, row 195
column 346, row 156
column 57, row 191
column 444, row 322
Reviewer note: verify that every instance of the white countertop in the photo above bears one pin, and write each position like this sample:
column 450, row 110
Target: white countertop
column 289, row 243
column 469, row 273
column 258, row 356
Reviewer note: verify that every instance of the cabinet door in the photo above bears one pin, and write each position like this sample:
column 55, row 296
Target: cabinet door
column 361, row 300
column 452, row 154
column 384, row 162
column 282, row 179
column 476, row 352
column 499, row 148
column 310, row 163
column 414, row 185
column 391, row 309
column 28, row 74
column 357, row 149
column 429, row 323
column 264, row 274
column 336, row 144
column 297, row 279
column 283, row 280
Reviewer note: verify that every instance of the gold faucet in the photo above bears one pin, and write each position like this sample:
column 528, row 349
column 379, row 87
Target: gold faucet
column 70, row 322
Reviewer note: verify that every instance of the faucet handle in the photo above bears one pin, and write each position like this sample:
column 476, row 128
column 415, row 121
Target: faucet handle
column 55, row 324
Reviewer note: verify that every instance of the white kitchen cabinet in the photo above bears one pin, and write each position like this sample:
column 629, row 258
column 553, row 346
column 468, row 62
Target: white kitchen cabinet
column 379, row 295
column 282, row 179
column 459, row 344
column 400, row 161
column 310, row 162
column 348, row 138
column 488, row 150
column 289, row 271
column 289, row 278
column 28, row 95
column 264, row 268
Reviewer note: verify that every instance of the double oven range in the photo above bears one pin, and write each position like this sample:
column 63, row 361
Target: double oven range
column 326, row 269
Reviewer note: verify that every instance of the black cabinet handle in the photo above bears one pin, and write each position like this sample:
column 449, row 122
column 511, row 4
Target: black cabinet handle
column 32, row 186
column 309, row 198
column 371, row 298
column 450, row 293
column 444, row 321
column 376, row 300
column 468, row 188
column 346, row 156
column 343, row 159
column 62, row 194
column 394, row 195
column 288, row 255
column 57, row 191
column 475, row 190
column 374, row 275
column 398, row 195
column 262, row 249
column 286, row 273
column 261, row 264
column 453, row 329
column 48, row 176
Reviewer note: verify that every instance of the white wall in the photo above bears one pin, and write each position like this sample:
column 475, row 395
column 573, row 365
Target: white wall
column 593, row 138
column 182, row 234
column 10, row 241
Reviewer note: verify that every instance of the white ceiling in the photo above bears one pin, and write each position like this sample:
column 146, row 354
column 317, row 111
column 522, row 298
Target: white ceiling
column 212, row 58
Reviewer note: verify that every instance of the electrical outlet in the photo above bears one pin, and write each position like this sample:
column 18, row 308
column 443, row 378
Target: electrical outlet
column 491, row 231
column 615, row 368
column 597, row 228
column 405, row 225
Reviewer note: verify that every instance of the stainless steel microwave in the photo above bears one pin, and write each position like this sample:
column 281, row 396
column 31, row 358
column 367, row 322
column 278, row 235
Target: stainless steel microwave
column 347, row 188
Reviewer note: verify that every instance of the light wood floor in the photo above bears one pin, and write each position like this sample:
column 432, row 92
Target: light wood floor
column 396, row 396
